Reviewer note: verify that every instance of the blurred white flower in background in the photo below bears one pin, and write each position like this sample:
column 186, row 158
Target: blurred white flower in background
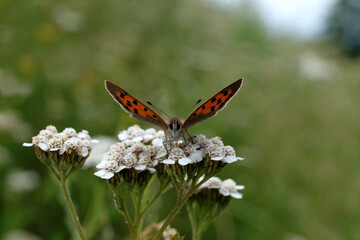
column 18, row 234
column 314, row 67
column 68, row 19
column 5, row 156
column 18, row 180
column 11, row 123
column 10, row 85
column 99, row 150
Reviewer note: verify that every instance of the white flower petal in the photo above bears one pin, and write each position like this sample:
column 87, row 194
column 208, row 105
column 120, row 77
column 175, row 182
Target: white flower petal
column 150, row 131
column 107, row 175
column 123, row 135
column 95, row 141
column 104, row 174
column 84, row 152
column 101, row 164
column 140, row 167
column 54, row 149
column 224, row 192
column 230, row 159
column 137, row 139
column 161, row 154
column 168, row 161
column 214, row 182
column 239, row 187
column 62, row 150
column 100, row 173
column 240, row 158
column 148, row 137
column 28, row 144
column 196, row 157
column 217, row 158
column 43, row 146
column 157, row 142
column 237, row 195
column 121, row 168
column 184, row 161
column 195, row 145
column 151, row 170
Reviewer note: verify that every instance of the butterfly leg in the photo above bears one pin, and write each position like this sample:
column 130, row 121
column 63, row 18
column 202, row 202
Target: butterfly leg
column 184, row 138
column 189, row 135
column 167, row 142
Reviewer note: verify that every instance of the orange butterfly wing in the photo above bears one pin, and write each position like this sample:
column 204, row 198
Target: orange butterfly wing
column 133, row 106
column 212, row 106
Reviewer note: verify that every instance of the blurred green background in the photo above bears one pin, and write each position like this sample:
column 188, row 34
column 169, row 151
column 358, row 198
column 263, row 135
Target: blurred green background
column 295, row 120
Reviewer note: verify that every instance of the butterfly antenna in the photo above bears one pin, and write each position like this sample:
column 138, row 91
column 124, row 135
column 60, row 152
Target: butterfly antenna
column 197, row 102
column 158, row 109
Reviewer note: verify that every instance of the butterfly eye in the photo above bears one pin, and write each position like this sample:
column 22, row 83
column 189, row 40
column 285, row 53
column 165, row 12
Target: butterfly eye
column 177, row 126
column 171, row 126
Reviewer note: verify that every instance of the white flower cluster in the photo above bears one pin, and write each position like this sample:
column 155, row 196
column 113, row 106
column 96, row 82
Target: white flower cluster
column 137, row 134
column 143, row 149
column 68, row 140
column 131, row 152
column 199, row 148
column 227, row 187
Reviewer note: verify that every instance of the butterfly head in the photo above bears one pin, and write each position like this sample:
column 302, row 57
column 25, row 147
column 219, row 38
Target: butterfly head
column 175, row 127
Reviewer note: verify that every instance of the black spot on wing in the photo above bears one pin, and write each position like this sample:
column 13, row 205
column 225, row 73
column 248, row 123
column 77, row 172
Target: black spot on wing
column 128, row 103
column 219, row 101
column 194, row 114
column 203, row 107
column 213, row 108
column 122, row 95
column 213, row 99
column 135, row 102
column 127, row 108
column 154, row 116
column 225, row 92
column 135, row 111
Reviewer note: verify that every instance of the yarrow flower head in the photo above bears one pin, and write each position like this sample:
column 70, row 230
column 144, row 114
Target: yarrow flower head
column 145, row 150
column 216, row 191
column 127, row 155
column 133, row 160
column 63, row 152
column 211, row 198
column 137, row 134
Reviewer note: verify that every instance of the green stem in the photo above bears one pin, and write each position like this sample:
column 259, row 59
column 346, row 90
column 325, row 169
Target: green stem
column 138, row 221
column 192, row 217
column 152, row 201
column 173, row 179
column 198, row 234
column 54, row 172
column 147, row 189
column 123, row 210
column 65, row 190
column 179, row 203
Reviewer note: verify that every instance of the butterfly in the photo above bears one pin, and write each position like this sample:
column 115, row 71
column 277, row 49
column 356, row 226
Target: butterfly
column 175, row 128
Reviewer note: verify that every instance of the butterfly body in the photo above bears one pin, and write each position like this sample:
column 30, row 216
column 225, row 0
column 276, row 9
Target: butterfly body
column 175, row 128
